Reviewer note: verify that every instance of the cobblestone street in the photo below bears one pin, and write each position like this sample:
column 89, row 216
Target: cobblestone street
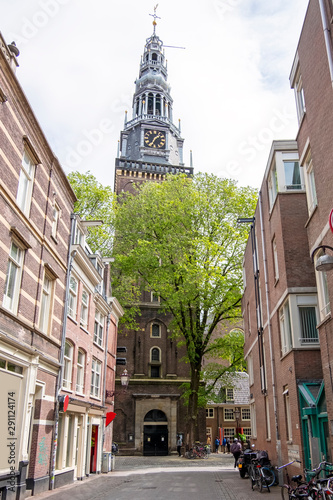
column 164, row 478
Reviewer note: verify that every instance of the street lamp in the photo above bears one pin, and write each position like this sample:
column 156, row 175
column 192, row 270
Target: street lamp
column 324, row 262
column 124, row 379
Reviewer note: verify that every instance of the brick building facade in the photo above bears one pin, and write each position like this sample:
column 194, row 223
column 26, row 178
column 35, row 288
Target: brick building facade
column 58, row 319
column 89, row 363
column 293, row 386
column 280, row 309
column 36, row 201
column 311, row 78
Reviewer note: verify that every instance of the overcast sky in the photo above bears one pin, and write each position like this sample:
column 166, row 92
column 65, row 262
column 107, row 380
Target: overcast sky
column 230, row 85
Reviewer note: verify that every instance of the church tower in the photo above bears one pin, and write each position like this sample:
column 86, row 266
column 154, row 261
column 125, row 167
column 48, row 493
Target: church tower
column 150, row 412
column 150, row 145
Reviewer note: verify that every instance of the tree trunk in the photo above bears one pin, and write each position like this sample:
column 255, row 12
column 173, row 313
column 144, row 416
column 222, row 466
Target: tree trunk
column 192, row 433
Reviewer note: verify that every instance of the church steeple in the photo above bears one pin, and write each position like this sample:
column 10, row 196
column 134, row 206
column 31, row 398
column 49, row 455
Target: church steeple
column 151, row 144
column 152, row 92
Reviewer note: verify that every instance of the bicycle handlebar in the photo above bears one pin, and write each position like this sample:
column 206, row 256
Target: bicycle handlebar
column 289, row 463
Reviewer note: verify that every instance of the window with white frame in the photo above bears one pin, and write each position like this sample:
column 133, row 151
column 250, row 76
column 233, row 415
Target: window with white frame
column 155, row 330
column 79, row 237
column 209, row 412
column 95, row 386
column 250, row 369
column 68, row 365
column 99, row 328
column 13, row 278
column 229, row 394
column 229, row 432
column 81, row 360
column 84, row 309
column 24, row 191
column 310, row 186
column 155, row 297
column 299, row 96
column 288, row 413
column 308, row 321
column 322, row 286
column 55, row 220
column 292, row 175
column 248, row 310
column 253, row 420
column 10, row 367
column 247, row 432
column 229, row 414
column 272, row 186
column 275, row 260
column 72, row 301
column 46, row 304
column 285, row 327
column 246, row 414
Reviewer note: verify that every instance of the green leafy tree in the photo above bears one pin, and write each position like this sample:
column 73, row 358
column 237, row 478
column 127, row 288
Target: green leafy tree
column 180, row 238
column 95, row 202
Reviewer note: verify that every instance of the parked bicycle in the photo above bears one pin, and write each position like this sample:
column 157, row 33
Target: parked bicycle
column 260, row 474
column 197, row 451
column 299, row 490
column 321, row 481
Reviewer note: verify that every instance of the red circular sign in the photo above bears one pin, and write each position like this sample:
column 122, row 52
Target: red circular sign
column 330, row 220
column 66, row 402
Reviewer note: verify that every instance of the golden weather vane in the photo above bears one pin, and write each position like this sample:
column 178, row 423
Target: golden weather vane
column 155, row 17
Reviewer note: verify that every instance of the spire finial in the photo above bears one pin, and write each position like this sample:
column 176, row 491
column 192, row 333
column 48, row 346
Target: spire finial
column 155, row 17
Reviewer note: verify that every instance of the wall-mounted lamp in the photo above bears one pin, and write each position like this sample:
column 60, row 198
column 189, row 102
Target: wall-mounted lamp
column 324, row 262
column 124, row 380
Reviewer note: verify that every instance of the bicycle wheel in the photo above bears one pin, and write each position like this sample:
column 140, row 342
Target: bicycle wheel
column 263, row 483
column 268, row 475
column 251, row 476
column 286, row 492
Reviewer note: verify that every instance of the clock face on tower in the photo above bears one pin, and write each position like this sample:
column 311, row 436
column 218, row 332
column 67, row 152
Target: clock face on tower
column 154, row 139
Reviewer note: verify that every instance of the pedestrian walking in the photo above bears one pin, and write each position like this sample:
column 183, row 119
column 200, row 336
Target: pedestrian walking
column 224, row 445
column 217, row 444
column 228, row 445
column 209, row 442
column 236, row 450
column 179, row 445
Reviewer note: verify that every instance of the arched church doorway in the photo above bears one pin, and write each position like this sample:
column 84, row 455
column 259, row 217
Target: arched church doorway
column 155, row 433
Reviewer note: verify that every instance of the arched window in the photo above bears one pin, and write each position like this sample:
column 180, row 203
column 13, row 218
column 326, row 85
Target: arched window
column 154, row 57
column 158, row 104
column 155, row 330
column 150, row 104
column 155, row 362
column 155, row 354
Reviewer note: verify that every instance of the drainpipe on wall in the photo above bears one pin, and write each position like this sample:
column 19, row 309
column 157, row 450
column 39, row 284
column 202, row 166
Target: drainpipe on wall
column 70, row 259
column 327, row 37
column 276, row 421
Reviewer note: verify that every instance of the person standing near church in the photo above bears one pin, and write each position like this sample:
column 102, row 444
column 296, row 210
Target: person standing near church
column 179, row 445
column 217, row 444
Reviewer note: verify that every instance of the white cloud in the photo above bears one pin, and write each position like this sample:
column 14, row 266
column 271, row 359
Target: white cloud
column 230, row 86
